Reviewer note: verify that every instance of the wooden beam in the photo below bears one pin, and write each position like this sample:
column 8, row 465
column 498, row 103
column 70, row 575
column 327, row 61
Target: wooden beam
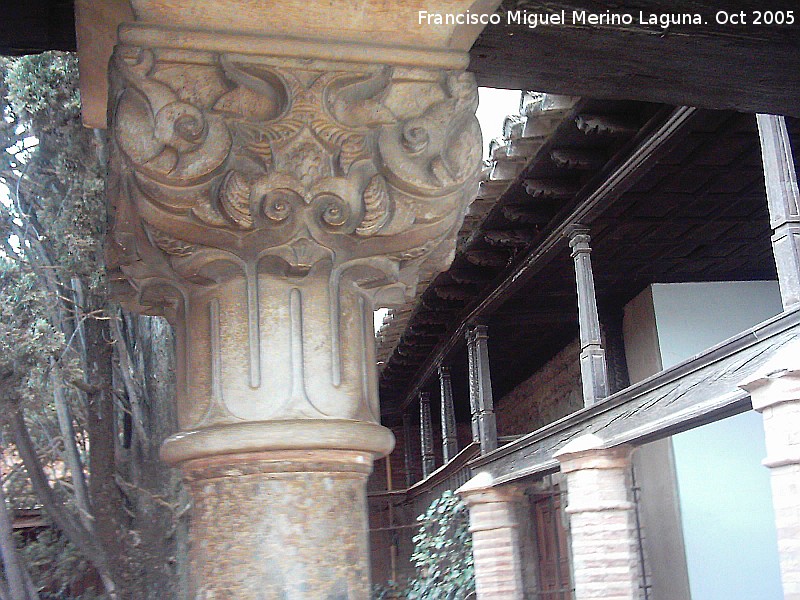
column 748, row 68
column 697, row 391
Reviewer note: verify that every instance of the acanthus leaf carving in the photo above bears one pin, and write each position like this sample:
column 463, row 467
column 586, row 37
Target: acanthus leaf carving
column 169, row 244
column 376, row 207
column 234, row 200
column 249, row 154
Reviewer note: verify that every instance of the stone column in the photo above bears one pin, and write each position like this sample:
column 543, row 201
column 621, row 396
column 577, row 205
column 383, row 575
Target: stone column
column 276, row 175
column 602, row 522
column 426, row 434
column 480, row 389
column 495, row 538
column 593, row 357
column 775, row 393
column 783, row 198
column 449, row 433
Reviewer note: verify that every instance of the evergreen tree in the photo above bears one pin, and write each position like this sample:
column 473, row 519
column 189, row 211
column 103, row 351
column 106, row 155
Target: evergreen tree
column 85, row 389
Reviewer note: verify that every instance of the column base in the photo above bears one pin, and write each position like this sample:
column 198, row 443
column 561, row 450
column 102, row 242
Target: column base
column 279, row 524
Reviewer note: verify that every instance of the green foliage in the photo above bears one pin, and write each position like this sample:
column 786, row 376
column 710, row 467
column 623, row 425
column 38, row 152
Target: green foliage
column 53, row 172
column 58, row 567
column 52, row 219
column 442, row 555
column 27, row 337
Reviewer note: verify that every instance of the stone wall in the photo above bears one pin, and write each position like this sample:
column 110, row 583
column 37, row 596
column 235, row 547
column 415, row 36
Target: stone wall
column 549, row 394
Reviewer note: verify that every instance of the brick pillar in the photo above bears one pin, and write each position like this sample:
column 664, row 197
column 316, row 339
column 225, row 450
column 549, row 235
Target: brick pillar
column 776, row 395
column 602, row 529
column 495, row 538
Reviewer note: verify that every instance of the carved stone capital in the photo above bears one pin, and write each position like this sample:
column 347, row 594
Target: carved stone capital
column 266, row 205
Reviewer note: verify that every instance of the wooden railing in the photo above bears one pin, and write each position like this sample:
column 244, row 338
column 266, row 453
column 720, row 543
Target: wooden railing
column 450, row 476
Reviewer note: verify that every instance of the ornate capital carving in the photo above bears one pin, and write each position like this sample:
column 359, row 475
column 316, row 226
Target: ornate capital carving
column 268, row 204
column 222, row 161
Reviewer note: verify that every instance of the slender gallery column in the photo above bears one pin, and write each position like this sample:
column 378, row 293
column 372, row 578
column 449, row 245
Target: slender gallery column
column 775, row 393
column 480, row 388
column 495, row 538
column 449, row 433
column 408, row 450
column 783, row 198
column 473, row 388
column 593, row 357
column 277, row 173
column 602, row 522
column 426, row 434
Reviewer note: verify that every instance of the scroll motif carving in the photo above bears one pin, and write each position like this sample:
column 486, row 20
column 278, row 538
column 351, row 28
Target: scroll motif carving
column 280, row 200
column 246, row 157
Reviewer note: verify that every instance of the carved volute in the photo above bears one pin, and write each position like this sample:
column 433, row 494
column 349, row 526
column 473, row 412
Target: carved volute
column 267, row 205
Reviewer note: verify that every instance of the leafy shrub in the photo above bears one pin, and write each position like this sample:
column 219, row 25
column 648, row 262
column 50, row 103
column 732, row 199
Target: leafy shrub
column 442, row 555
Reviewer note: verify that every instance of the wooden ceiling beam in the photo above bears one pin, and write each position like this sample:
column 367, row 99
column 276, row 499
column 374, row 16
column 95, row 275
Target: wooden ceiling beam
column 748, row 68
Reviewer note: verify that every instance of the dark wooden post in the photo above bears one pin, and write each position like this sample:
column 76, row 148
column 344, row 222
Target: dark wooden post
column 480, row 389
column 449, row 435
column 408, row 449
column 473, row 388
column 426, row 434
column 783, row 199
column 593, row 357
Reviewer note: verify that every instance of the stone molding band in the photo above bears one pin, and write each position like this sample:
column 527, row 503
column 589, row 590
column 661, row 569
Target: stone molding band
column 283, row 46
column 346, row 464
column 260, row 436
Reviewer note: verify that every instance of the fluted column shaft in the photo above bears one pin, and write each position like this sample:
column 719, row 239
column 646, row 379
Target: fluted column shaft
column 408, row 450
column 480, row 389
